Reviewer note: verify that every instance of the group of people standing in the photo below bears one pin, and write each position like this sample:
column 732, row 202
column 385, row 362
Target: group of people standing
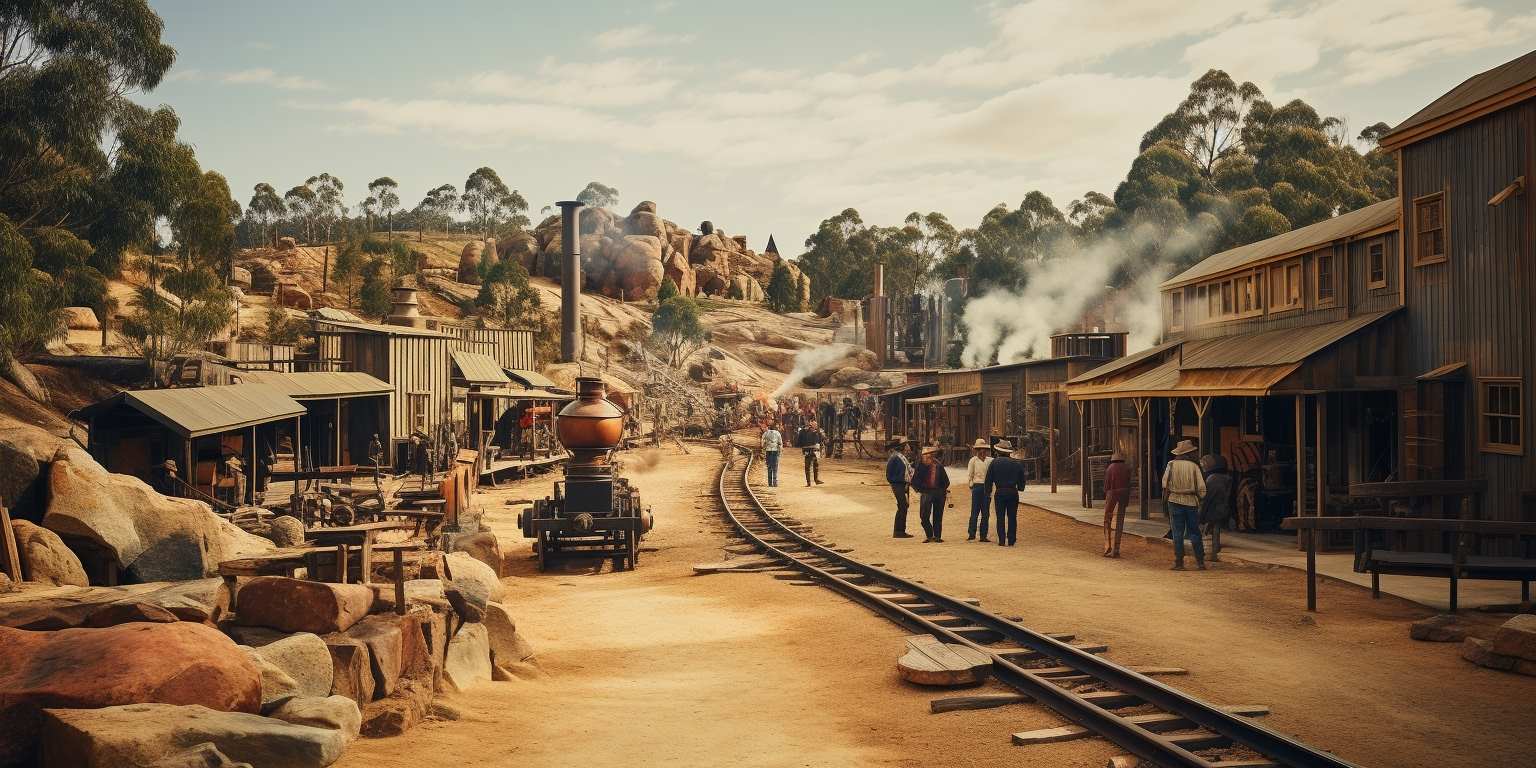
column 995, row 483
column 1198, row 497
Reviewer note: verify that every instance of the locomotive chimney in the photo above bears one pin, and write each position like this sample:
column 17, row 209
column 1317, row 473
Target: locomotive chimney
column 570, row 280
column 879, row 279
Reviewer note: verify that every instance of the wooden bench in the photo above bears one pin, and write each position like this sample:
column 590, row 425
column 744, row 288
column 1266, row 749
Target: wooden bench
column 1461, row 538
column 332, row 560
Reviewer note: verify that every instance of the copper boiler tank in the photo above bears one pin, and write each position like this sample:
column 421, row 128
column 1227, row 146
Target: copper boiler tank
column 590, row 423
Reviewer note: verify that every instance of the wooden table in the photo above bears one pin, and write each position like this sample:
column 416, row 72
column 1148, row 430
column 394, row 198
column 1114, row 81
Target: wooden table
column 362, row 535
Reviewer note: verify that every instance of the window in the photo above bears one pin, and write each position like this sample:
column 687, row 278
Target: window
column 1285, row 286
column 1376, row 263
column 1323, row 272
column 1228, row 302
column 1249, row 295
column 1429, row 229
column 1499, row 403
column 1176, row 310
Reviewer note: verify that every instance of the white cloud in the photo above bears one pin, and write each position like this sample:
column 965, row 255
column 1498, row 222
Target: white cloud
column 638, row 36
column 265, row 76
column 620, row 82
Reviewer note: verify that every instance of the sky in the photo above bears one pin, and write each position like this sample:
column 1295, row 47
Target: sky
column 769, row 117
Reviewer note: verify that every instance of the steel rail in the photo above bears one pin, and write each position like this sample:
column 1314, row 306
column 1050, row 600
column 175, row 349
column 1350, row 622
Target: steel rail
column 1149, row 745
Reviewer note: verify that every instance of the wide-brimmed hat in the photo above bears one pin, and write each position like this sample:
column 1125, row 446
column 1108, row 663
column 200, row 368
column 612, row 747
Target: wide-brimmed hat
column 930, row 449
column 896, row 442
column 981, row 442
column 1116, row 457
column 1003, row 445
column 1184, row 447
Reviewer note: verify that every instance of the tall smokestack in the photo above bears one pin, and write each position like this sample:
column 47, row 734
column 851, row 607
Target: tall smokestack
column 879, row 279
column 570, row 280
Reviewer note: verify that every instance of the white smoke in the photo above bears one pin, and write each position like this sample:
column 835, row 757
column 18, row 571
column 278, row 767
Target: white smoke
column 1015, row 326
column 813, row 359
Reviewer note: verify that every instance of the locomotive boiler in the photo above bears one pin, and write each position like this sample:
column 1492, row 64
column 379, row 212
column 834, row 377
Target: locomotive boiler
column 594, row 514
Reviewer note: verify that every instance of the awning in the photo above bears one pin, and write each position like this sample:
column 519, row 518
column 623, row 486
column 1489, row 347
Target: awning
column 1123, row 363
column 1167, row 380
column 198, row 411
column 314, row 385
column 530, row 378
column 521, row 394
column 478, row 369
column 1278, row 347
column 1447, row 371
column 909, row 389
column 944, row 398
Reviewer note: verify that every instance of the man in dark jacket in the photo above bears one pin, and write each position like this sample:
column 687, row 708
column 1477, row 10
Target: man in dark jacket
column 1117, row 494
column 1005, row 478
column 809, row 441
column 1216, row 506
column 898, row 473
column 932, row 485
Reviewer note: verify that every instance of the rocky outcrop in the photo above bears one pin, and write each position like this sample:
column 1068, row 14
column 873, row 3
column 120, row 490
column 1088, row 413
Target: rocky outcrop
column 140, row 734
column 181, row 663
column 205, row 601
column 336, row 713
column 45, row 559
column 81, row 319
column 297, row 605
column 483, row 546
column 469, row 263
column 149, row 536
column 296, row 665
column 629, row 256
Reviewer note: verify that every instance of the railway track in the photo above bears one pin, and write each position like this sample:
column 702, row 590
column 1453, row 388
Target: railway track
column 1169, row 728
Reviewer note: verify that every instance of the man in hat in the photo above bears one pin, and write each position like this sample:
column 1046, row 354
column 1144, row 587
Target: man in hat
column 809, row 441
column 773, row 443
column 168, row 475
column 1004, row 480
column 1117, row 494
column 1183, row 487
column 976, row 478
column 932, row 485
column 898, row 473
column 236, row 471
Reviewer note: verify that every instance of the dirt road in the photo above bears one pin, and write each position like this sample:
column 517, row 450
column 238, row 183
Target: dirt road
column 661, row 667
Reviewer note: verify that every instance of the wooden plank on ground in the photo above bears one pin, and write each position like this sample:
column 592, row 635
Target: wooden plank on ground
column 930, row 661
column 739, row 565
column 1157, row 722
column 983, row 701
column 8, row 550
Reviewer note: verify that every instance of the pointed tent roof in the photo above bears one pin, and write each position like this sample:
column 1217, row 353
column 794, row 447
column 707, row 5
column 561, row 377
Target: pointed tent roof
column 770, row 247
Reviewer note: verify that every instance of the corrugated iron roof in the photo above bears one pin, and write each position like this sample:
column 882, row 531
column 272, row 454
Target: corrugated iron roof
column 531, row 378
column 522, row 394
column 1167, row 380
column 476, row 368
column 198, row 411
column 908, row 388
column 1278, row 347
column 317, row 384
column 942, row 398
column 1296, row 241
column 1470, row 93
column 332, row 313
column 388, row 330
column 1122, row 363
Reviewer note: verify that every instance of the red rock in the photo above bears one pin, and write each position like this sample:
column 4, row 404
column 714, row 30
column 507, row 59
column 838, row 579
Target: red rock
column 351, row 669
column 128, row 613
column 382, row 636
column 177, row 663
column 1517, row 637
column 295, row 605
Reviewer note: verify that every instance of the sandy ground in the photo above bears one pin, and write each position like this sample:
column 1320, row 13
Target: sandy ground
column 661, row 667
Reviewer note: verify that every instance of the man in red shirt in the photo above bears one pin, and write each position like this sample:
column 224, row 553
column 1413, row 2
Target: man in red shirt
column 1117, row 494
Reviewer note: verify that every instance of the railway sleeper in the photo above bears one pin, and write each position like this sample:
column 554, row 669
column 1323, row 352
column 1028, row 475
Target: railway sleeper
column 1157, row 722
column 1032, row 655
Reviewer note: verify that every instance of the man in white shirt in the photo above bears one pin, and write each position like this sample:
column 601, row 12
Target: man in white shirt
column 773, row 443
column 976, row 477
column 1183, row 487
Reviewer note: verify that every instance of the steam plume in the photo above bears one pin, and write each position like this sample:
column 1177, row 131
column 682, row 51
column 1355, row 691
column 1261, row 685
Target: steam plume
column 813, row 359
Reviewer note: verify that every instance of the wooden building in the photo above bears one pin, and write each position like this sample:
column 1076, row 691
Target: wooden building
column 199, row 428
column 950, row 418
column 415, row 362
column 1267, row 346
column 343, row 411
column 1466, row 163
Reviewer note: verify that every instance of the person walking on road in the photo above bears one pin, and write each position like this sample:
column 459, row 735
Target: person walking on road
column 1004, row 480
column 1117, row 494
column 1216, row 505
column 809, row 441
column 1183, row 488
column 773, row 443
column 932, row 485
column 898, row 473
column 976, row 479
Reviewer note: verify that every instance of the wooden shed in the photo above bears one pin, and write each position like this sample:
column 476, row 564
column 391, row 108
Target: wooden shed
column 343, row 412
column 415, row 363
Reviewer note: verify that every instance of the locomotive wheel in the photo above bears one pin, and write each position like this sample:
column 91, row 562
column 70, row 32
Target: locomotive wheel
column 342, row 514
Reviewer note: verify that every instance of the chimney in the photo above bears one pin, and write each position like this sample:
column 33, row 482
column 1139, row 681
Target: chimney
column 570, row 280
column 404, row 312
column 879, row 279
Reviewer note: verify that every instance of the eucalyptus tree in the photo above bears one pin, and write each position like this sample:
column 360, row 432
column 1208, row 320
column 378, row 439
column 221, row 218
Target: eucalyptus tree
column 491, row 204
column 266, row 208
column 329, row 206
column 383, row 190
column 439, row 204
column 302, row 208
column 599, row 195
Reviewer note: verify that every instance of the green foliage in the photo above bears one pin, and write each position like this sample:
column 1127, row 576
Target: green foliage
column 265, row 208
column 31, row 306
column 782, row 294
column 279, row 328
column 438, row 206
column 507, row 297
column 347, row 269
column 667, row 290
column 599, row 195
column 491, row 204
column 373, row 298
column 382, row 190
column 677, row 330
column 181, row 314
column 204, row 224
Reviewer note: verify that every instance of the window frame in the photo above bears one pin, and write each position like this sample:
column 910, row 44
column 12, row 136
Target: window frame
column 1318, row 299
column 1176, row 310
column 1379, row 243
column 1279, row 276
column 1419, row 259
column 1484, row 383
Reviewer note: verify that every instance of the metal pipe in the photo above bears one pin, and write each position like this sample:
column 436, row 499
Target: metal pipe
column 570, row 280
